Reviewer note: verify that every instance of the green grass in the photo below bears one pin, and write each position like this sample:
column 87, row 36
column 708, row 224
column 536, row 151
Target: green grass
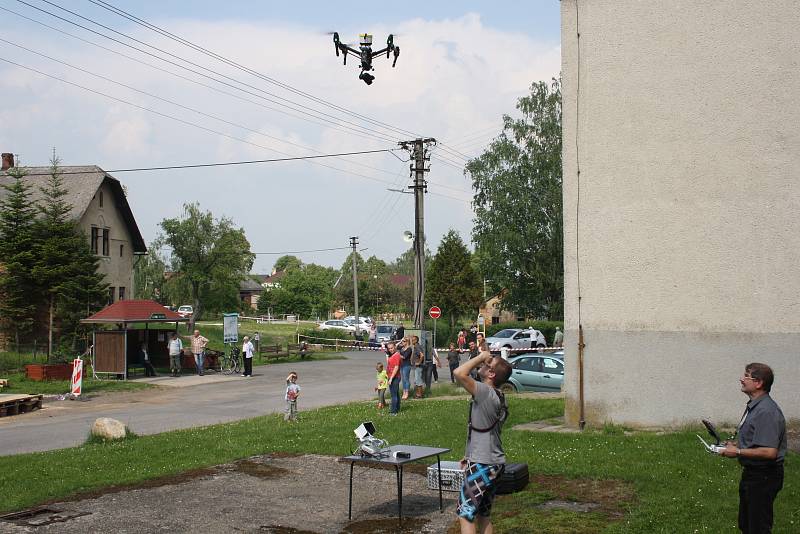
column 675, row 486
column 19, row 384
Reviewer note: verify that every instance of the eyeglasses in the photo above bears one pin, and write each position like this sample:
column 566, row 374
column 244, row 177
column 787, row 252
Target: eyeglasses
column 745, row 377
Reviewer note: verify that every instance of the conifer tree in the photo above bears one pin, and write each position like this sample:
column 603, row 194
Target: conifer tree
column 17, row 287
column 65, row 268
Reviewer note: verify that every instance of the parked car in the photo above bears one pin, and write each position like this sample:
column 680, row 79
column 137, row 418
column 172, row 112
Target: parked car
column 352, row 318
column 185, row 310
column 337, row 323
column 362, row 326
column 516, row 338
column 385, row 332
column 535, row 372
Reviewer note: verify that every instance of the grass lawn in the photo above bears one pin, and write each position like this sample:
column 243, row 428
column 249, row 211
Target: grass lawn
column 639, row 483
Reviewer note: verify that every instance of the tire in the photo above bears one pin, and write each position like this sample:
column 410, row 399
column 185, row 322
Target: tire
column 508, row 387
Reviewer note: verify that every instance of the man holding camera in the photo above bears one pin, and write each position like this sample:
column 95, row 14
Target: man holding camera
column 484, row 459
column 760, row 448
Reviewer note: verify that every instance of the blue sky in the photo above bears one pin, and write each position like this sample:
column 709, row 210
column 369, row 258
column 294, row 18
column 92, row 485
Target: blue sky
column 462, row 66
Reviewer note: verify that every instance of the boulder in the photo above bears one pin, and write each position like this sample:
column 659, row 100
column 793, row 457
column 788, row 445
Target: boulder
column 107, row 428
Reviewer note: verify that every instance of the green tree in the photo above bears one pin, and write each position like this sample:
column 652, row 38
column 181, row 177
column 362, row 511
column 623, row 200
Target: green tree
column 518, row 226
column 65, row 268
column 210, row 255
column 451, row 282
column 17, row 285
column 344, row 289
column 306, row 291
column 148, row 274
column 284, row 263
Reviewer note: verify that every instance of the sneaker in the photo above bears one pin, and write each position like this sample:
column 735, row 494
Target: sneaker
column 244, row 375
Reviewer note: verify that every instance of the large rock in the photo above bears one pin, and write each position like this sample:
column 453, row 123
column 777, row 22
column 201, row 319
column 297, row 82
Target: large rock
column 107, row 428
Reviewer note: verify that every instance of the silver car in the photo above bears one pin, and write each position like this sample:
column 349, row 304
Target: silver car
column 535, row 372
column 516, row 338
column 385, row 332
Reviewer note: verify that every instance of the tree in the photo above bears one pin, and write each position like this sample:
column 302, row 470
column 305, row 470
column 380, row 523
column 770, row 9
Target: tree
column 306, row 291
column 148, row 274
column 344, row 289
column 284, row 263
column 65, row 268
column 210, row 255
column 518, row 226
column 17, row 285
column 452, row 283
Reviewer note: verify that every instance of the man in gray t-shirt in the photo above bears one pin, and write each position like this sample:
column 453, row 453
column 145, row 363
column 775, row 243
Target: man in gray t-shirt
column 484, row 459
column 760, row 448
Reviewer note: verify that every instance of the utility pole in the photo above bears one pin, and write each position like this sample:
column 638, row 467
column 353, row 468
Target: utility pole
column 354, row 244
column 419, row 150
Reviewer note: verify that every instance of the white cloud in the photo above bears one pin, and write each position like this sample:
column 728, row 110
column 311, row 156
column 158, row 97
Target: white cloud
column 453, row 77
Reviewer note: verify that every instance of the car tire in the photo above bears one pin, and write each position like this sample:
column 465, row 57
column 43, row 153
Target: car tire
column 508, row 387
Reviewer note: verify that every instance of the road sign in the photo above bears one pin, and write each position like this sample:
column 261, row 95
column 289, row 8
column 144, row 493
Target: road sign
column 435, row 312
column 77, row 376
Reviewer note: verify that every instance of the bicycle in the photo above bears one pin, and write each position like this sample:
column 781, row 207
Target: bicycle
column 231, row 362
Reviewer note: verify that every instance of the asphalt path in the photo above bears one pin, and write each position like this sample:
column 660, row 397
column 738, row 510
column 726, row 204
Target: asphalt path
column 192, row 401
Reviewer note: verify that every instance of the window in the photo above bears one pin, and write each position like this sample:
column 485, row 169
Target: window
column 552, row 366
column 95, row 237
column 111, row 295
column 527, row 364
column 121, row 293
column 106, row 239
column 121, row 249
column 100, row 199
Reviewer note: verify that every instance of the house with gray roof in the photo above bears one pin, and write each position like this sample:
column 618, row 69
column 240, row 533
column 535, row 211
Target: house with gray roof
column 101, row 209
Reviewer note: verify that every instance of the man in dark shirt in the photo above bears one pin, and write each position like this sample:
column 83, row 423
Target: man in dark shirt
column 760, row 448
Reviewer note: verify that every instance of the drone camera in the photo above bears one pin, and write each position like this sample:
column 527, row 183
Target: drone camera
column 367, row 77
column 365, row 39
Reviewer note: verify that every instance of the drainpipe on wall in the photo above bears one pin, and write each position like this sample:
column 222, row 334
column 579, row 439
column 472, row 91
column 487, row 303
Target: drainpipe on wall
column 581, row 345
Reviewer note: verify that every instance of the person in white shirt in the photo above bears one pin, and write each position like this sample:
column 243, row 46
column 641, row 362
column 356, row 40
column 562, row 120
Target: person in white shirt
column 175, row 346
column 247, row 353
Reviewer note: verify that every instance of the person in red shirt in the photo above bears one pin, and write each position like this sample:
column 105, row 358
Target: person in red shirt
column 393, row 370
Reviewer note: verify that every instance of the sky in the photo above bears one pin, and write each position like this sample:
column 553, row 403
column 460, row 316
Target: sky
column 123, row 96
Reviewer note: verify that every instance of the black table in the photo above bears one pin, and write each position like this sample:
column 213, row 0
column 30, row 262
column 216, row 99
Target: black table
column 386, row 457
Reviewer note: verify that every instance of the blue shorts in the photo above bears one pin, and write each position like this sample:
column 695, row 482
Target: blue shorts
column 477, row 493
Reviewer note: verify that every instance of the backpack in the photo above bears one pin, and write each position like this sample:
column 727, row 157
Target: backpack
column 500, row 419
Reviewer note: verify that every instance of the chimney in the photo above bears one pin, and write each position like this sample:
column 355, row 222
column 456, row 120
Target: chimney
column 8, row 161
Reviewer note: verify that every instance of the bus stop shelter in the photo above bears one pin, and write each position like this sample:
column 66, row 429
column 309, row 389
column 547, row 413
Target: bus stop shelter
column 116, row 348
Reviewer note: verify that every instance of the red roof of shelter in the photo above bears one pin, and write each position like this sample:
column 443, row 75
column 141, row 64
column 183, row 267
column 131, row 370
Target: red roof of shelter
column 135, row 311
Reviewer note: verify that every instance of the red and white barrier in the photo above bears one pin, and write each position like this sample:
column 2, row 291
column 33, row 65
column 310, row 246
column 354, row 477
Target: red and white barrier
column 77, row 376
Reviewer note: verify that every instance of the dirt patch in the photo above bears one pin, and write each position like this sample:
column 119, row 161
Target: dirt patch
column 168, row 480
column 386, row 526
column 258, row 469
column 272, row 529
column 611, row 496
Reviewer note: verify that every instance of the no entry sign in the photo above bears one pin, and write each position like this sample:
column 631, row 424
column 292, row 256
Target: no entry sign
column 435, row 312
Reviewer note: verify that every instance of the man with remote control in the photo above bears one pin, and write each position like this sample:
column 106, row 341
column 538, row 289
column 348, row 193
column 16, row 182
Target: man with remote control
column 484, row 459
column 760, row 448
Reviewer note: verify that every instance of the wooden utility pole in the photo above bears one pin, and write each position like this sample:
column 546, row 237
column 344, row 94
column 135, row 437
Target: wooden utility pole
column 419, row 151
column 354, row 244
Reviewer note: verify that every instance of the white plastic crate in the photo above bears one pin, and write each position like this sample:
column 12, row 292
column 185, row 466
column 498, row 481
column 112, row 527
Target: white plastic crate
column 452, row 476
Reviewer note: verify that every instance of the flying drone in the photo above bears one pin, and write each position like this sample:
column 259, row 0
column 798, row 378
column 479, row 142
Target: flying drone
column 366, row 54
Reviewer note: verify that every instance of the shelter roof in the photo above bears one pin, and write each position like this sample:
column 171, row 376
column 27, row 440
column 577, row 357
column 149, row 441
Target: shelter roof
column 135, row 311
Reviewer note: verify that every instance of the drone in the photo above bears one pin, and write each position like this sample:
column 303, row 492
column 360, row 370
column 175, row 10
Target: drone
column 366, row 54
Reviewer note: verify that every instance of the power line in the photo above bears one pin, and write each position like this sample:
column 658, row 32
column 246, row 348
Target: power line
column 177, row 104
column 167, row 247
column 331, row 118
column 141, row 22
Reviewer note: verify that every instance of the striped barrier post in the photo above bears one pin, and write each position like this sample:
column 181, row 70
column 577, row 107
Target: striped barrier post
column 77, row 376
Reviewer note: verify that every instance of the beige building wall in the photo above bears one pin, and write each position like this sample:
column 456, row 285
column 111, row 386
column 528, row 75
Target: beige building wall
column 117, row 266
column 682, row 239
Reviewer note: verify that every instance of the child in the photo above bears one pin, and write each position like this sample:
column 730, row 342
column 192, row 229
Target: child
column 383, row 383
column 292, row 393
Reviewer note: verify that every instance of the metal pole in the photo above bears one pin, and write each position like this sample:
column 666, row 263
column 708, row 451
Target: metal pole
column 354, row 244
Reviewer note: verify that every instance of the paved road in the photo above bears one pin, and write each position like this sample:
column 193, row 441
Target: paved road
column 197, row 401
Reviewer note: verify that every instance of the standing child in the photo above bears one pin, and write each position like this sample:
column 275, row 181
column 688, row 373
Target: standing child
column 383, row 383
column 292, row 393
